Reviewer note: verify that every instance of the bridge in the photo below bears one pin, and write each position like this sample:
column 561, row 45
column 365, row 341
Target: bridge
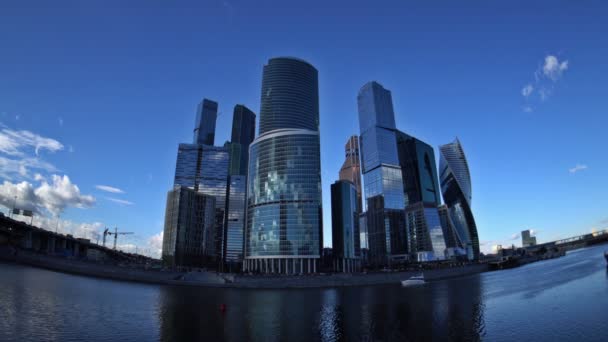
column 574, row 242
column 31, row 238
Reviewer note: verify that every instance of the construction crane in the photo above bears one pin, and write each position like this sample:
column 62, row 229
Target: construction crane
column 107, row 232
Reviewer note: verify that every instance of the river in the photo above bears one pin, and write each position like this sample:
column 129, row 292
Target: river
column 559, row 299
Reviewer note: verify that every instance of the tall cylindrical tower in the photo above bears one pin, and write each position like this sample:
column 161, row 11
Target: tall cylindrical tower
column 284, row 221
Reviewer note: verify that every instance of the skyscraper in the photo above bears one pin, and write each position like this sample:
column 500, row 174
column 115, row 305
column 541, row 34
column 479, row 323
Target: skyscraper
column 351, row 168
column 243, row 133
column 204, row 126
column 203, row 168
column 188, row 238
column 424, row 230
column 243, row 130
column 345, row 226
column 455, row 180
column 383, row 181
column 284, row 221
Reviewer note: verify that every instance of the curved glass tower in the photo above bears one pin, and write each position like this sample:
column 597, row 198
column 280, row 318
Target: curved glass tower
column 455, row 181
column 284, row 221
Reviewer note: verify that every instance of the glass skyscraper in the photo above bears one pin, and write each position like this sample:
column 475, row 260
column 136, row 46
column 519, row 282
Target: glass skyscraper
column 204, row 169
column 455, row 180
column 284, row 221
column 351, row 168
column 382, row 175
column 345, row 226
column 204, row 126
column 424, row 230
column 188, row 238
column 243, row 130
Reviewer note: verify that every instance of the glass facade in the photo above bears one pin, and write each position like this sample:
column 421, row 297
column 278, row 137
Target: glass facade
column 284, row 229
column 345, row 221
column 188, row 238
column 417, row 161
column 204, row 126
column 284, row 196
column 204, row 169
column 383, row 179
column 235, row 219
column 455, row 181
column 425, row 233
column 243, row 133
column 290, row 95
column 351, row 168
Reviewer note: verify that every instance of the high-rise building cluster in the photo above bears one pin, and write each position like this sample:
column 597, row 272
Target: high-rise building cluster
column 255, row 202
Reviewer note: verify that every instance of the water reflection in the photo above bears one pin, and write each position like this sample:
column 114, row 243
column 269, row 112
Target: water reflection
column 439, row 311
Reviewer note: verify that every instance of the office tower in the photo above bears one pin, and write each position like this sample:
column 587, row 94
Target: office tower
column 284, row 222
column 204, row 169
column 425, row 233
column 421, row 189
column 188, row 238
column 345, row 226
column 351, row 168
column 243, row 133
column 204, row 127
column 527, row 240
column 455, row 180
column 243, row 130
column 417, row 161
column 383, row 182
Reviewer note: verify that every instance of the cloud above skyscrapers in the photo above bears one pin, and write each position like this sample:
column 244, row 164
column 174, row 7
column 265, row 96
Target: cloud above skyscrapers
column 543, row 86
column 578, row 168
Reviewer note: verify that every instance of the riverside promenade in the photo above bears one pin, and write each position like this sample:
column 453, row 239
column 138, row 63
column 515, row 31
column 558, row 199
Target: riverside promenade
column 212, row 279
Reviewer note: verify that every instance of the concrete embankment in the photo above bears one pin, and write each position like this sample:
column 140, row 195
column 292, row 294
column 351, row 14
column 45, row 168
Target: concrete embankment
column 211, row 279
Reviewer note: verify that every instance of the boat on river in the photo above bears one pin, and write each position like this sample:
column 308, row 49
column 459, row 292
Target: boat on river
column 414, row 281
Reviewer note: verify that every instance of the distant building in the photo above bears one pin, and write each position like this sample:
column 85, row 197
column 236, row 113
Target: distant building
column 204, row 126
column 527, row 240
column 189, row 233
column 345, row 226
column 382, row 174
column 455, row 180
column 284, row 231
column 351, row 168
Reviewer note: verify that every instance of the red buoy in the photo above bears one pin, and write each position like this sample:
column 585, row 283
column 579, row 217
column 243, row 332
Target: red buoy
column 222, row 307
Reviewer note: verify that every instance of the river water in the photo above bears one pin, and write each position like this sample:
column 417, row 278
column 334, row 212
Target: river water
column 557, row 300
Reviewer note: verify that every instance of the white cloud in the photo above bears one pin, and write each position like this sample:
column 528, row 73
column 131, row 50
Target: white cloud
column 14, row 142
column 515, row 236
column 553, row 68
column 119, row 201
column 109, row 189
column 60, row 119
column 10, row 167
column 55, row 196
column 527, row 90
column 577, row 168
column 545, row 77
column 155, row 243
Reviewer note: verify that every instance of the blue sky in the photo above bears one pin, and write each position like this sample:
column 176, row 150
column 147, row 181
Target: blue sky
column 116, row 85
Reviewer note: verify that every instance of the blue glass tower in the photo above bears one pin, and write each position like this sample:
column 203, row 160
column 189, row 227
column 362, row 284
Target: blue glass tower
column 345, row 226
column 455, row 181
column 284, row 220
column 204, row 126
column 382, row 176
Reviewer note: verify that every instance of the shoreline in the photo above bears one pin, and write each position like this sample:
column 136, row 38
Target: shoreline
column 218, row 280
